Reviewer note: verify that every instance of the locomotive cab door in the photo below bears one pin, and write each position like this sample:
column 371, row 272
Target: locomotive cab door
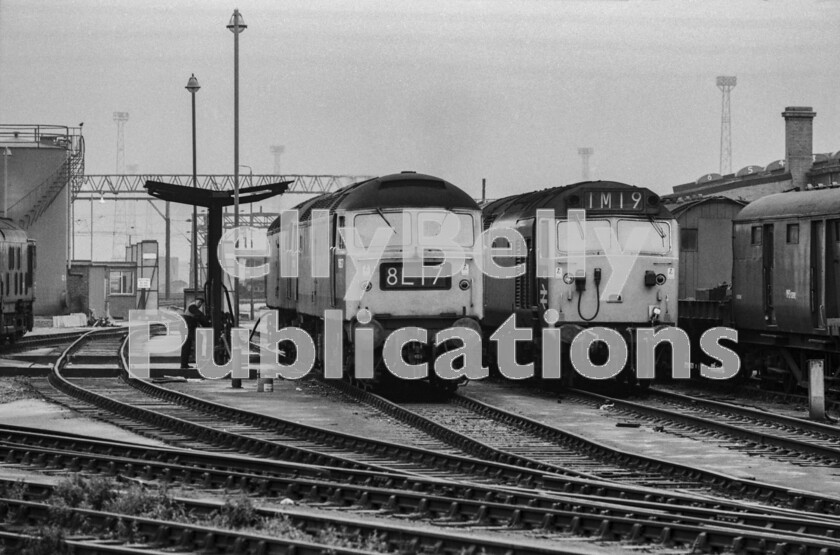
column 767, row 271
column 30, row 267
column 337, row 261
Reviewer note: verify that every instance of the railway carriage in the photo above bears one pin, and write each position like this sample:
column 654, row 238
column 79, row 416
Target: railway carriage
column 388, row 295
column 17, row 281
column 628, row 241
column 786, row 283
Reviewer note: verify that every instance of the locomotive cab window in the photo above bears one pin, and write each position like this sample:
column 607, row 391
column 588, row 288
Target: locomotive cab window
column 595, row 236
column 688, row 239
column 648, row 237
column 755, row 235
column 366, row 226
column 792, row 233
column 429, row 223
column 448, row 224
column 339, row 238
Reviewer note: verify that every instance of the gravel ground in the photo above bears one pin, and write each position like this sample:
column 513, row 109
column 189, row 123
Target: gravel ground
column 15, row 389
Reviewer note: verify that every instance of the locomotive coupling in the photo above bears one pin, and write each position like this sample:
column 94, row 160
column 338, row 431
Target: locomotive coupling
column 655, row 313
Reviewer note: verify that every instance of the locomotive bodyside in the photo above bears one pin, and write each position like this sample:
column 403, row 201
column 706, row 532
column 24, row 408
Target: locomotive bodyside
column 17, row 280
column 384, row 290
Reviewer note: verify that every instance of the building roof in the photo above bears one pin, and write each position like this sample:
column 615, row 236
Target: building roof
column 815, row 202
column 678, row 207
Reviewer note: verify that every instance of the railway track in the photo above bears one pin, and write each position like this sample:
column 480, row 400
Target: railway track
column 600, row 509
column 478, row 469
column 29, row 342
column 792, row 440
column 588, row 516
column 196, row 423
column 459, row 416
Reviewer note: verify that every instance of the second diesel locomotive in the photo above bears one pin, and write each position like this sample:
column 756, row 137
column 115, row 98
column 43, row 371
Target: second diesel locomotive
column 17, row 281
column 615, row 264
column 381, row 293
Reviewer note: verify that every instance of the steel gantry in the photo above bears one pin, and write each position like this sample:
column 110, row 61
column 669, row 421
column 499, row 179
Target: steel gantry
column 130, row 187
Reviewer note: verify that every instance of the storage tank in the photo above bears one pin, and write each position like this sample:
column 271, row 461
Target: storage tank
column 41, row 163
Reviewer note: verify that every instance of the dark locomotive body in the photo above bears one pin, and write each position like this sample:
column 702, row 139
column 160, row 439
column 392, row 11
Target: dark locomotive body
column 388, row 295
column 17, row 281
column 582, row 298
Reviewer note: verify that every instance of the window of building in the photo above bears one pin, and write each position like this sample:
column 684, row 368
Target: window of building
column 793, row 233
column 688, row 239
column 121, row 282
column 756, row 235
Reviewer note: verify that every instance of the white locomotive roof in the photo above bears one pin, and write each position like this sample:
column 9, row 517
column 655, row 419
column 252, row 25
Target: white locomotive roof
column 10, row 232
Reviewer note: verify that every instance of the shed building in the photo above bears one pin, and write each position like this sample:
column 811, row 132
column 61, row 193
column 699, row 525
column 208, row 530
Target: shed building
column 705, row 243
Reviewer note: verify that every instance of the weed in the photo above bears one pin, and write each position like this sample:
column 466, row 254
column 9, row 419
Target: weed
column 45, row 540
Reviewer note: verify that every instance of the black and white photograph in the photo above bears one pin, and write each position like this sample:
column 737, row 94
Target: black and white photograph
column 465, row 277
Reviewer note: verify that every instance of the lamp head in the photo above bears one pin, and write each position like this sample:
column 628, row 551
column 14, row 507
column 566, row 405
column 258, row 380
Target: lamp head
column 237, row 22
column 192, row 84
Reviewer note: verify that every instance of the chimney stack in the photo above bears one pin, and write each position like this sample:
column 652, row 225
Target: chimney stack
column 799, row 143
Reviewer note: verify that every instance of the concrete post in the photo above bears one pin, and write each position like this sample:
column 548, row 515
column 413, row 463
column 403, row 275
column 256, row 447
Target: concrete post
column 816, row 389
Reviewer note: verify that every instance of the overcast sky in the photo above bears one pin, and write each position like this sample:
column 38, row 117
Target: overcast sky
column 502, row 90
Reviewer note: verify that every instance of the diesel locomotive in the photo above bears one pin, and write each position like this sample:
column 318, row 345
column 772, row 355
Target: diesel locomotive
column 17, row 281
column 367, row 253
column 609, row 258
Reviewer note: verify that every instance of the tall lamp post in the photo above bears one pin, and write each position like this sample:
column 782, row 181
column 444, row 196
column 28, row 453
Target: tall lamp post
column 236, row 25
column 250, row 231
column 193, row 86
column 6, row 153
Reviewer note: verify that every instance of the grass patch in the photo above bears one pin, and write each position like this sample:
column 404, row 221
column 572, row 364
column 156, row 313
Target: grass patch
column 106, row 494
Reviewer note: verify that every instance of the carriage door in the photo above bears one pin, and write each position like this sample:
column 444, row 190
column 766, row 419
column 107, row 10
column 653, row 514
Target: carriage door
column 832, row 269
column 767, row 271
column 337, row 261
column 817, row 276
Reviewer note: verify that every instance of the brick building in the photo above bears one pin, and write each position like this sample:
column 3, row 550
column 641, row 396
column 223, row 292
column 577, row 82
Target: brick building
column 800, row 169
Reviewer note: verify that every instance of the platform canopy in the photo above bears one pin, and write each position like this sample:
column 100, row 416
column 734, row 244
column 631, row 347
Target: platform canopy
column 208, row 198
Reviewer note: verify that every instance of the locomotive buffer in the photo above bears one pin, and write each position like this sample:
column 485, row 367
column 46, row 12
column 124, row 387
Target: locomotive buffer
column 214, row 202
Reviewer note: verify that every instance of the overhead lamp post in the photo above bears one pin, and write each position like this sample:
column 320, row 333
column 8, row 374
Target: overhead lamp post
column 193, row 86
column 6, row 153
column 250, row 232
column 236, row 25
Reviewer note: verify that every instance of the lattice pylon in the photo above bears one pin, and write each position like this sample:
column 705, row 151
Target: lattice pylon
column 726, row 84
column 120, row 118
